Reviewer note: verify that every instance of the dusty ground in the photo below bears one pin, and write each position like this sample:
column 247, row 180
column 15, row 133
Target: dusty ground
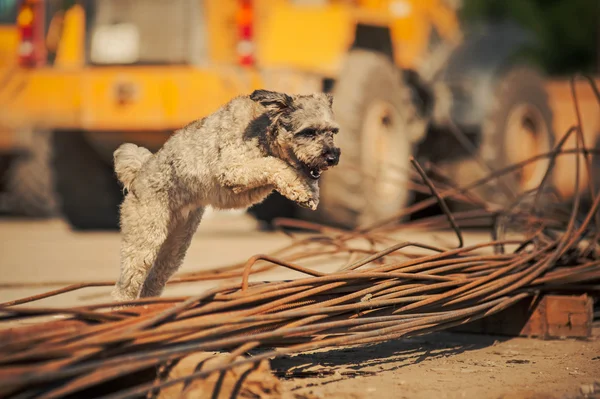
column 442, row 365
column 450, row 365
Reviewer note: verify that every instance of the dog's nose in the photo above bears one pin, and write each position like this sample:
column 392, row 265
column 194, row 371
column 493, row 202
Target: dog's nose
column 332, row 157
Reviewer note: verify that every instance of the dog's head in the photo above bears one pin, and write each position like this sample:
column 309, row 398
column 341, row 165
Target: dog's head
column 302, row 130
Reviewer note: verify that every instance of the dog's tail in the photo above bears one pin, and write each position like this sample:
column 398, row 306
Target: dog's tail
column 129, row 159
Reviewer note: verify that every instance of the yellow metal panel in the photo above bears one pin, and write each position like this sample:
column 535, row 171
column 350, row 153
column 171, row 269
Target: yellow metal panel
column 157, row 98
column 8, row 45
column 41, row 97
column 71, row 47
column 221, row 29
column 409, row 30
column 411, row 23
column 120, row 98
column 309, row 38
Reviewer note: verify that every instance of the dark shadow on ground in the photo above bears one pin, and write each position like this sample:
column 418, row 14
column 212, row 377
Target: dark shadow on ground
column 387, row 356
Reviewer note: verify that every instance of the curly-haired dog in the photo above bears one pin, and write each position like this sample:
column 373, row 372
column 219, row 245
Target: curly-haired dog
column 233, row 158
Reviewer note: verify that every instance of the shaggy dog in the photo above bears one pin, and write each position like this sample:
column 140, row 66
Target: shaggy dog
column 232, row 159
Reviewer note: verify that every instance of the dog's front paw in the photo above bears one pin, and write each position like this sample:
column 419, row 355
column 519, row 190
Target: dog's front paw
column 308, row 199
column 298, row 190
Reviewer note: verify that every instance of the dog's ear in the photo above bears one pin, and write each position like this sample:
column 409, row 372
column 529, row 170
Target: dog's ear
column 272, row 100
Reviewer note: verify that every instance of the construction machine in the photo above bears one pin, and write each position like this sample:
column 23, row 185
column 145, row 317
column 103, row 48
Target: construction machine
column 25, row 178
column 407, row 78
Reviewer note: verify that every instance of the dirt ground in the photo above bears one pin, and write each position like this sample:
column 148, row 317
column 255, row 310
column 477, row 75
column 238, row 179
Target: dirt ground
column 450, row 365
column 440, row 365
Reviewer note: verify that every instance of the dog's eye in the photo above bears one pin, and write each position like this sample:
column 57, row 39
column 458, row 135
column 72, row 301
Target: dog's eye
column 308, row 132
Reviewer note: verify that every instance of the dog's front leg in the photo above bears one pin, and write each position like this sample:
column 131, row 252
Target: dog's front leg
column 271, row 171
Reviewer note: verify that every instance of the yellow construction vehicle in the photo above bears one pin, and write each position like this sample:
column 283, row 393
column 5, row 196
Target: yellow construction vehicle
column 26, row 185
column 404, row 73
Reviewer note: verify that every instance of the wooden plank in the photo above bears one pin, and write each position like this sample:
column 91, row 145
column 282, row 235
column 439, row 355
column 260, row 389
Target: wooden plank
column 546, row 317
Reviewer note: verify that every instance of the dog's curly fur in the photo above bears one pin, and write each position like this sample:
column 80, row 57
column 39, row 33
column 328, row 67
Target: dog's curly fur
column 233, row 158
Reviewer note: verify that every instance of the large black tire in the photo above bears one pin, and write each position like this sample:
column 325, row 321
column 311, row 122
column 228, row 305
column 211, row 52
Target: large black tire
column 89, row 192
column 29, row 179
column 378, row 124
column 518, row 126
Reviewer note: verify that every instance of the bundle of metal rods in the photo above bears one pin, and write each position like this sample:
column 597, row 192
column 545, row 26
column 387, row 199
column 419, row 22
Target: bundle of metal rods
column 384, row 290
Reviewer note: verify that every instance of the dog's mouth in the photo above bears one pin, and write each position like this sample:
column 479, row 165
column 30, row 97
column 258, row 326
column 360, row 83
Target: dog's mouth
column 315, row 168
column 314, row 172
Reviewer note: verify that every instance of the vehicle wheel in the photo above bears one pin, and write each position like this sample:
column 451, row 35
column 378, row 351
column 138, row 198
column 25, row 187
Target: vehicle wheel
column 30, row 182
column 89, row 192
column 519, row 126
column 377, row 127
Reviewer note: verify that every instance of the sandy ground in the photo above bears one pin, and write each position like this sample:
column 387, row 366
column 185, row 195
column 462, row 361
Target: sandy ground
column 441, row 365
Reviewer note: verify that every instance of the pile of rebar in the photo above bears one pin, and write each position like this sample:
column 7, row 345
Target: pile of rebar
column 385, row 290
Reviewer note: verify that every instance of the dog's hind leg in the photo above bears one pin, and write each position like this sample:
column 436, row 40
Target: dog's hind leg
column 172, row 253
column 145, row 227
